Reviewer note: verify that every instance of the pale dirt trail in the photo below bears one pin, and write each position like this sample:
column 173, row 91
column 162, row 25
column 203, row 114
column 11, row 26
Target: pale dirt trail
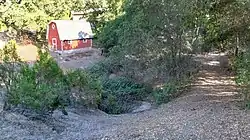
column 207, row 112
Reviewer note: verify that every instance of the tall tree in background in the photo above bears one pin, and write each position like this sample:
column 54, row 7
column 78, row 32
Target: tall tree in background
column 99, row 12
column 35, row 14
column 148, row 40
column 224, row 23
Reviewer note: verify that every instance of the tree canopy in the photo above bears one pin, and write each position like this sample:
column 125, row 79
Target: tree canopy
column 35, row 14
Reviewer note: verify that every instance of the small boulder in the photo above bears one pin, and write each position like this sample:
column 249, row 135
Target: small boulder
column 112, row 76
column 224, row 61
column 144, row 106
column 66, row 59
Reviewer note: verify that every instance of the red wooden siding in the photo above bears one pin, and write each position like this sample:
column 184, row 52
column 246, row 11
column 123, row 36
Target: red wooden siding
column 77, row 44
column 53, row 33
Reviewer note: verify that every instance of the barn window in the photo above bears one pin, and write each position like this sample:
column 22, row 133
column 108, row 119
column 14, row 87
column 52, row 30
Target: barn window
column 84, row 40
column 53, row 26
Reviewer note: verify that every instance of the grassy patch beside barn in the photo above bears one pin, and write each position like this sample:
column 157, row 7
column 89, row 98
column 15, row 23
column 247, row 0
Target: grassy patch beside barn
column 27, row 52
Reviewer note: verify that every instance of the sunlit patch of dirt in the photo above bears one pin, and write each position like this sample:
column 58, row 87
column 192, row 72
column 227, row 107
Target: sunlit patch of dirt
column 28, row 52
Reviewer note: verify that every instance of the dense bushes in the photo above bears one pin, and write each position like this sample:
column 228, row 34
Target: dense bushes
column 110, row 34
column 170, row 90
column 105, row 67
column 8, row 72
column 120, row 93
column 44, row 87
column 85, row 89
column 147, row 44
column 165, row 93
column 242, row 68
column 40, row 87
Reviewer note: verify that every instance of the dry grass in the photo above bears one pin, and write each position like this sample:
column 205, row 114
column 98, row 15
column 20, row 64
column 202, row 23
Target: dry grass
column 27, row 52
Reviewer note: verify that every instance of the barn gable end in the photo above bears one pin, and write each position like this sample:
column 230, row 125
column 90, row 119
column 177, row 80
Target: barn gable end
column 54, row 41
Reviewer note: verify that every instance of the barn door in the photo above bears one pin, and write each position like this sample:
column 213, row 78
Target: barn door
column 54, row 44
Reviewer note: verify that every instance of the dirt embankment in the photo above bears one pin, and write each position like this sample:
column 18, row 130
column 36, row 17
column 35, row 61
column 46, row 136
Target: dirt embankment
column 81, row 59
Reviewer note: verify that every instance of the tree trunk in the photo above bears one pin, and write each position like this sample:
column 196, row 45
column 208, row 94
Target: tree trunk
column 236, row 50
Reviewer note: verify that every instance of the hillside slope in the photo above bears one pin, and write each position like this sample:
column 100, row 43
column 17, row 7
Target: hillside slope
column 208, row 111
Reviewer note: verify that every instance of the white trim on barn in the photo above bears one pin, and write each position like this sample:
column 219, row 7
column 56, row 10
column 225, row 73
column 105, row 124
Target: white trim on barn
column 61, row 45
column 54, row 43
column 53, row 26
column 84, row 41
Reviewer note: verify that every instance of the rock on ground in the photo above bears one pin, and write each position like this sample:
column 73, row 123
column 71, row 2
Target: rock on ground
column 143, row 107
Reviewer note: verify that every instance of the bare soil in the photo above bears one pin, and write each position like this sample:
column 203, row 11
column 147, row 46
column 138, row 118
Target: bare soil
column 209, row 111
column 78, row 60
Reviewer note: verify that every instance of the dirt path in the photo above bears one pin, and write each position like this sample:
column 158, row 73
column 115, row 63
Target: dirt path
column 208, row 112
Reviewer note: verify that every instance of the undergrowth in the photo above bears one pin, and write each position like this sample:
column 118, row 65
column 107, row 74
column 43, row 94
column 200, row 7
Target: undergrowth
column 120, row 93
column 170, row 90
column 242, row 68
column 44, row 87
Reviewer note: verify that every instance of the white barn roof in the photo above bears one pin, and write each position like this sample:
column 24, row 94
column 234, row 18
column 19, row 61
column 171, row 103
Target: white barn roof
column 73, row 29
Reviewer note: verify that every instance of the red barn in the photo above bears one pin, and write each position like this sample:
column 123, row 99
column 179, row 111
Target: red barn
column 66, row 35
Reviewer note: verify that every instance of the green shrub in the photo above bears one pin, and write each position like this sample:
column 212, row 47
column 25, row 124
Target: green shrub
column 40, row 87
column 10, row 61
column 242, row 68
column 111, row 105
column 86, row 89
column 170, row 90
column 101, row 69
column 104, row 68
column 108, row 38
column 165, row 93
column 120, row 93
column 125, row 87
column 44, row 87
